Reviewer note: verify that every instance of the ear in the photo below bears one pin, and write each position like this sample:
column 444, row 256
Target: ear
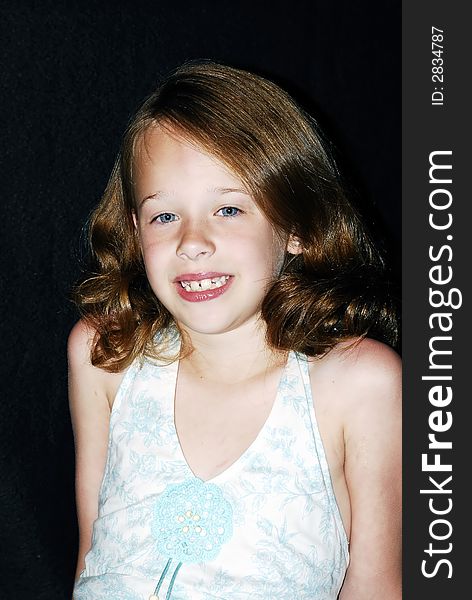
column 135, row 221
column 294, row 246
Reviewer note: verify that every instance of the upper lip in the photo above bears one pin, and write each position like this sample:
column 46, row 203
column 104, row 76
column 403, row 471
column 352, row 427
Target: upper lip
column 198, row 276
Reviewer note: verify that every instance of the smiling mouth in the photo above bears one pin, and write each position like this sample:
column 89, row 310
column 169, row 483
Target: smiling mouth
column 204, row 284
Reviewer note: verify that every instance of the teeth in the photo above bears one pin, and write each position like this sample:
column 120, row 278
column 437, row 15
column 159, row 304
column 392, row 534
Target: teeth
column 204, row 284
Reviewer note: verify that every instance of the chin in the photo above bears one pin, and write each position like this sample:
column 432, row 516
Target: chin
column 208, row 328
column 206, row 325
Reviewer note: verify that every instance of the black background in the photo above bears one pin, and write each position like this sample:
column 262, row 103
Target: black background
column 72, row 75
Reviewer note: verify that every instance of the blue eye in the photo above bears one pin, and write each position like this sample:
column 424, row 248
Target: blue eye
column 229, row 211
column 165, row 218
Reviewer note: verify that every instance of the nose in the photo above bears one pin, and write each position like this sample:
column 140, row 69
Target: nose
column 195, row 243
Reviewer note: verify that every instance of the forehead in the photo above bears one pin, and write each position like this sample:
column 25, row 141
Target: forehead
column 163, row 155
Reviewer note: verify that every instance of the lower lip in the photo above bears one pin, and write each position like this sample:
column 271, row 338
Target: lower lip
column 202, row 295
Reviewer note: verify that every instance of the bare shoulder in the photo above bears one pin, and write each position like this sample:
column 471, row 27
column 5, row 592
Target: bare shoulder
column 367, row 370
column 81, row 371
column 91, row 394
column 79, row 343
column 374, row 359
column 361, row 357
column 369, row 388
column 360, row 395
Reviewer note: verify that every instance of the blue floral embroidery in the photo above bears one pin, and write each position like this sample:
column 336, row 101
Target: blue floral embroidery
column 104, row 588
column 287, row 533
column 192, row 520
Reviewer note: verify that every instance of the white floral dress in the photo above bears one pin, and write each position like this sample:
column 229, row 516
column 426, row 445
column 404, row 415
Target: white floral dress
column 267, row 528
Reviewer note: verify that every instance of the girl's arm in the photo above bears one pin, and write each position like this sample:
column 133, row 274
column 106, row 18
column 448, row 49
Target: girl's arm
column 90, row 391
column 372, row 437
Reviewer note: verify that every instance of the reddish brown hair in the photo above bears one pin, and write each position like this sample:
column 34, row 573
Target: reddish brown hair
column 333, row 290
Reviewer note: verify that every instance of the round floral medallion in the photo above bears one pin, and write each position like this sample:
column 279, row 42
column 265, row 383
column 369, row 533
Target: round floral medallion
column 192, row 520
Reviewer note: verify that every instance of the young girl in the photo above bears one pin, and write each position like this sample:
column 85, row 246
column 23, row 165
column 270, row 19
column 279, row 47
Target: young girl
column 236, row 413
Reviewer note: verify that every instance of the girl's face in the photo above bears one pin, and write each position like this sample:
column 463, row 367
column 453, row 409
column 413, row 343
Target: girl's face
column 209, row 252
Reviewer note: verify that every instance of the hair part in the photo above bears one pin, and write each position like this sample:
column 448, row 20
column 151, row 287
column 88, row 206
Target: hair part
column 334, row 289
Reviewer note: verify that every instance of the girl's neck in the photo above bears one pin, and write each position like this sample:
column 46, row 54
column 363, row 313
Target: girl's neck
column 232, row 357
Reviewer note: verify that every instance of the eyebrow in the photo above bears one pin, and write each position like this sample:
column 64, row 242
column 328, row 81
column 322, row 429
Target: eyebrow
column 155, row 196
column 159, row 194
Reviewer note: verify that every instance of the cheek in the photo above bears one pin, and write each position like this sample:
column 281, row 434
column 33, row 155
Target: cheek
column 278, row 247
column 151, row 246
column 154, row 258
column 278, row 263
column 267, row 256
